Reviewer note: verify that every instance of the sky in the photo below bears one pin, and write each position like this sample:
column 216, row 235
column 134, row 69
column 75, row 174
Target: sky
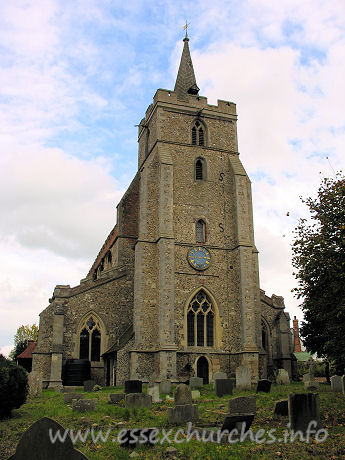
column 75, row 79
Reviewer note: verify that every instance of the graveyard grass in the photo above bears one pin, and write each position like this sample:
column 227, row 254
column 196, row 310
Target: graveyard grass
column 117, row 417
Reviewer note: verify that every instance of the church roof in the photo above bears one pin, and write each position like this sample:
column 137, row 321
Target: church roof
column 185, row 81
column 105, row 248
column 27, row 353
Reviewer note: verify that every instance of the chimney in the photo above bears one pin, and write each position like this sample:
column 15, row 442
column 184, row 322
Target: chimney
column 297, row 342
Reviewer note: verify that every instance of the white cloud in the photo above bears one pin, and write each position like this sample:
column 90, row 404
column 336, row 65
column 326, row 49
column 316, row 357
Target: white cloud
column 5, row 350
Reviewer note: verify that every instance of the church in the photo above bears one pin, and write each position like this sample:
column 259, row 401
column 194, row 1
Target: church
column 174, row 291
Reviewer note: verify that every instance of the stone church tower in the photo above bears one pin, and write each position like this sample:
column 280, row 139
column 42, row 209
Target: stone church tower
column 174, row 291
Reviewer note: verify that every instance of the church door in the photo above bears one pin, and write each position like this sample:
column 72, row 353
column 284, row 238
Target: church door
column 202, row 369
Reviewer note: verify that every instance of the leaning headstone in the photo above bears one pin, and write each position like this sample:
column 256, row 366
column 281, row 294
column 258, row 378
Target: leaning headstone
column 303, row 409
column 117, row 397
column 138, row 400
column 35, row 383
column 343, row 384
column 283, row 377
column 68, row 397
column 165, row 386
column 281, row 407
column 264, row 385
column 242, row 405
column 195, row 394
column 89, row 384
column 154, row 392
column 182, row 395
column 336, row 383
column 84, row 405
column 218, row 375
column 36, row 443
column 196, row 382
column 236, row 421
column 223, row 387
column 133, row 386
column 243, row 378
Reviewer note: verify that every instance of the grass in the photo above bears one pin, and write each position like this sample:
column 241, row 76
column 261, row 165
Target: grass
column 117, row 417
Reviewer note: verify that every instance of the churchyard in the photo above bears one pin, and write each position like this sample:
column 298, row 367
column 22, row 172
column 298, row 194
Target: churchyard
column 111, row 409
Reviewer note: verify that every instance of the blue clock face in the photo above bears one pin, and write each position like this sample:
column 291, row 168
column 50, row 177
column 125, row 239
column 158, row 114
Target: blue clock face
column 199, row 258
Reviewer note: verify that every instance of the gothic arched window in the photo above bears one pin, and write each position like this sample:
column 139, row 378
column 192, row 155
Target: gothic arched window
column 200, row 321
column 198, row 134
column 90, row 340
column 199, row 169
column 200, row 230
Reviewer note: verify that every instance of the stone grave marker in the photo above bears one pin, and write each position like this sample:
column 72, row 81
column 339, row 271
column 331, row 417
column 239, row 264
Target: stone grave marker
column 129, row 436
column 165, row 386
column 184, row 410
column 242, row 405
column 236, row 421
column 218, row 375
column 89, row 384
column 138, row 400
column 281, row 407
column 154, row 392
column 36, row 443
column 182, row 395
column 195, row 394
column 117, row 397
column 68, row 397
column 283, row 377
column 35, row 383
column 304, row 408
column 223, row 387
column 243, row 378
column 196, row 382
column 309, row 382
column 336, row 383
column 133, row 386
column 84, row 405
column 264, row 385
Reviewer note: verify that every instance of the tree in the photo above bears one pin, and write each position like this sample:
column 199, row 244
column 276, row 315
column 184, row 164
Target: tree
column 23, row 334
column 319, row 257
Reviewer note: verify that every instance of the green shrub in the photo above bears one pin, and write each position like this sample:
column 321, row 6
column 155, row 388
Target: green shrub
column 13, row 386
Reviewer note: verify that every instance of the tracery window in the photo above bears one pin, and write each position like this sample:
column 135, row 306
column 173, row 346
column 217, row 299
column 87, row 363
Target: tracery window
column 200, row 230
column 200, row 321
column 198, row 134
column 90, row 340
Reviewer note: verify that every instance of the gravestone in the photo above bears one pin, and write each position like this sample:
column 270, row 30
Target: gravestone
column 68, row 397
column 336, row 383
column 303, row 409
column 196, row 382
column 264, row 385
column 138, row 400
column 219, row 375
column 154, row 392
column 117, row 397
column 131, row 438
column 133, row 386
column 236, row 421
column 243, row 378
column 343, row 384
column 195, row 394
column 36, row 443
column 281, row 407
column 84, row 405
column 223, row 387
column 165, row 386
column 89, row 384
column 282, row 377
column 242, row 405
column 35, row 383
column 309, row 382
column 182, row 395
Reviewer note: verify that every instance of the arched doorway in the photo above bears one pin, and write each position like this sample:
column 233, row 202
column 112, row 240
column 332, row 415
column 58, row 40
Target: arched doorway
column 202, row 369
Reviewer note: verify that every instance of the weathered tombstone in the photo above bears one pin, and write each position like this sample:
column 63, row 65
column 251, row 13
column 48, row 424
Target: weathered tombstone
column 236, row 421
column 196, row 382
column 138, row 400
column 343, row 384
column 117, row 397
column 68, row 397
column 223, row 387
column 303, row 409
column 36, row 443
column 311, row 363
column 242, row 405
column 283, row 377
column 165, row 386
column 195, row 394
column 133, row 386
column 309, row 383
column 35, row 383
column 336, row 383
column 218, row 375
column 84, row 405
column 281, row 407
column 154, row 392
column 243, row 378
column 89, row 384
column 182, row 395
column 264, row 385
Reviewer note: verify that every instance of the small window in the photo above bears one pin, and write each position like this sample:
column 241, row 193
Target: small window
column 198, row 134
column 200, row 231
column 199, row 170
column 194, row 135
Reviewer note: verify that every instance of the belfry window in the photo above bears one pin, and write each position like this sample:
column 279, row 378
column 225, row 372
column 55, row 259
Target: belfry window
column 198, row 134
column 90, row 340
column 200, row 231
column 200, row 321
column 199, row 169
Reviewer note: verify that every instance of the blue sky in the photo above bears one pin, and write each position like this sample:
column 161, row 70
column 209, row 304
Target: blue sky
column 76, row 77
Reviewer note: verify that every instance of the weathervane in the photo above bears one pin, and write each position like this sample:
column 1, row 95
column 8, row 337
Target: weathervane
column 185, row 27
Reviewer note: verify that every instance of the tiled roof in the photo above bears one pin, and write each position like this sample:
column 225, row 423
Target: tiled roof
column 105, row 248
column 27, row 353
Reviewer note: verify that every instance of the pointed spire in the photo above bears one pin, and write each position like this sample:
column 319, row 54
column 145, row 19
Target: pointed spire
column 185, row 81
